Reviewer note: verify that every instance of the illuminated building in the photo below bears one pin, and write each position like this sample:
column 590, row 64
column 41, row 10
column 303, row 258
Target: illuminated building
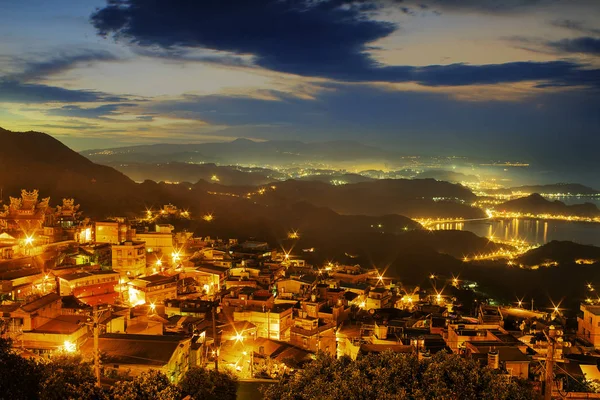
column 113, row 232
column 312, row 335
column 129, row 258
column 160, row 241
column 588, row 325
column 458, row 334
column 273, row 323
column 208, row 277
column 26, row 213
column 93, row 287
column 8, row 246
column 378, row 298
column 67, row 215
column 40, row 324
column 153, row 289
column 168, row 354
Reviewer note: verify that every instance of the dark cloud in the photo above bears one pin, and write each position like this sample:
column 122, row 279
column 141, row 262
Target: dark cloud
column 558, row 72
column 583, row 45
column 17, row 92
column 326, row 38
column 182, row 54
column 315, row 38
column 100, row 112
column 486, row 6
column 59, row 62
column 575, row 26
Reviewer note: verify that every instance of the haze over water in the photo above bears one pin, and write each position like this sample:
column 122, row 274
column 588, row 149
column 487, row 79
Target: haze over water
column 532, row 231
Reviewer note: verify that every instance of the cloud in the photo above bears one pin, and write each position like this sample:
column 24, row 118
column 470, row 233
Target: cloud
column 575, row 26
column 304, row 37
column 582, row 45
column 59, row 62
column 326, row 38
column 17, row 92
column 100, row 112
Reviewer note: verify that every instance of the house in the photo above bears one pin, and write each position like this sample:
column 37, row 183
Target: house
column 19, row 283
column 248, row 296
column 510, row 358
column 210, row 278
column 154, row 289
column 588, row 325
column 113, row 232
column 188, row 307
column 91, row 287
column 272, row 323
column 40, row 325
column 160, row 241
column 294, row 287
column 312, row 335
column 379, row 297
column 141, row 353
column 459, row 334
column 129, row 258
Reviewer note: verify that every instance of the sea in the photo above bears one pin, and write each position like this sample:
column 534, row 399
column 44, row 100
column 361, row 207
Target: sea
column 536, row 231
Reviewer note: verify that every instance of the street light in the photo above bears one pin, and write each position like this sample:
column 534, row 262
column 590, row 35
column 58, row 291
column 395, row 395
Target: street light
column 69, row 346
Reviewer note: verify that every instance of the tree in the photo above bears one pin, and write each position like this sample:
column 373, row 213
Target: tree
column 19, row 377
column 397, row 376
column 204, row 384
column 69, row 377
column 151, row 385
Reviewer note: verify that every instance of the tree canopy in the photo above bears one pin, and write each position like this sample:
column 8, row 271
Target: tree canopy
column 398, row 376
column 203, row 384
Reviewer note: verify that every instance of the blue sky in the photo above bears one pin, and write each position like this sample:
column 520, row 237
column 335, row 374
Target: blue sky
column 508, row 79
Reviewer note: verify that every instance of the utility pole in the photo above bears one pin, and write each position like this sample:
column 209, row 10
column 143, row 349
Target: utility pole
column 549, row 370
column 215, row 339
column 96, row 329
column 555, row 339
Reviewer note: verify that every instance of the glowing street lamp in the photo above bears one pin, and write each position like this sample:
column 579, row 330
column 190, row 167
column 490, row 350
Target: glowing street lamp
column 176, row 256
column 29, row 240
column 69, row 346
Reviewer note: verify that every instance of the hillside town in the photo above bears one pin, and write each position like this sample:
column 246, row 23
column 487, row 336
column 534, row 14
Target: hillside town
column 136, row 294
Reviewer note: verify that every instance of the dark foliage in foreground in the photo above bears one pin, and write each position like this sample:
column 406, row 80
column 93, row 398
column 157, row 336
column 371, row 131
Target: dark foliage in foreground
column 398, row 376
column 70, row 377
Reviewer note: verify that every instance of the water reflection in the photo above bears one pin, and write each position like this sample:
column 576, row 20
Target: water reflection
column 532, row 231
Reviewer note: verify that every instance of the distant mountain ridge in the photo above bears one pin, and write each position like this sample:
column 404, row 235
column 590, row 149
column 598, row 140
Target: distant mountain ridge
column 557, row 188
column 241, row 151
column 536, row 204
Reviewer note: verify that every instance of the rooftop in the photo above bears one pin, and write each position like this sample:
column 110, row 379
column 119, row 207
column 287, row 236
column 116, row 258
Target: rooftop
column 83, row 274
column 63, row 324
column 136, row 349
column 41, row 302
column 593, row 309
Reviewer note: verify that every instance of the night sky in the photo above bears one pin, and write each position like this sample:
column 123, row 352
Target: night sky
column 507, row 79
